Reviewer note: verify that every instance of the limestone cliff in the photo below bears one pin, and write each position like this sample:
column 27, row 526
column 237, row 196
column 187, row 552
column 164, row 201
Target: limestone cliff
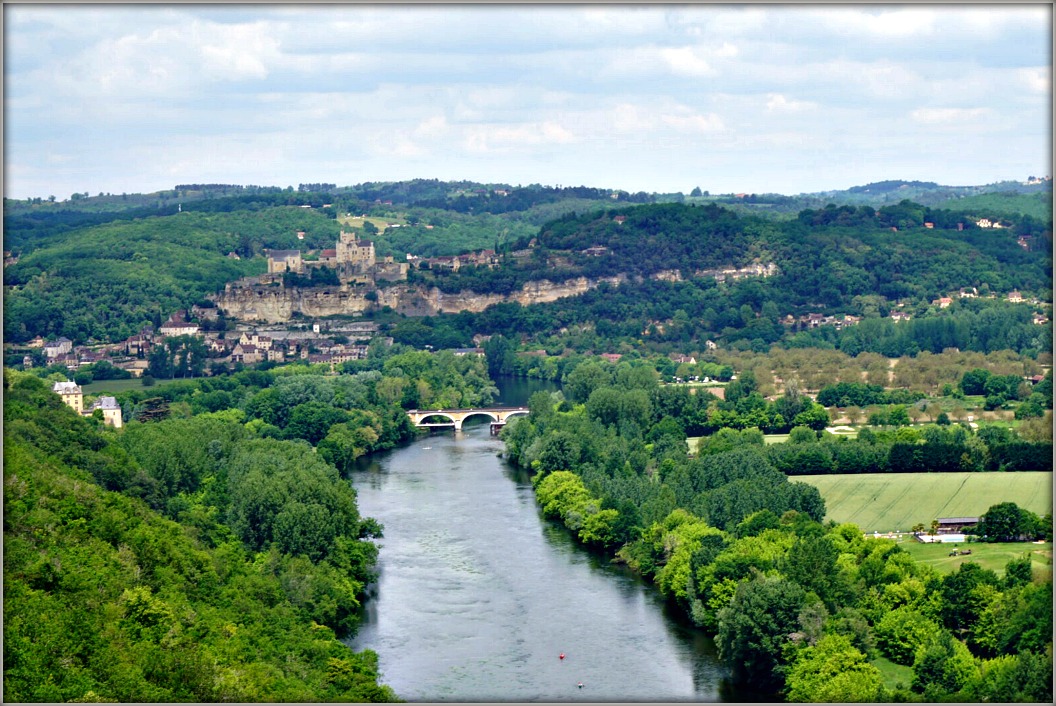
column 274, row 303
column 267, row 299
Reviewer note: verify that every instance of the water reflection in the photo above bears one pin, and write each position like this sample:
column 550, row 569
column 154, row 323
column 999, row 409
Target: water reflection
column 478, row 595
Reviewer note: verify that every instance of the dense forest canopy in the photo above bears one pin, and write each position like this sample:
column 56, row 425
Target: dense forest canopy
column 136, row 567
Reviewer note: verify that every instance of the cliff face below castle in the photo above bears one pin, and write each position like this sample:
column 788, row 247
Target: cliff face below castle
column 275, row 303
column 268, row 300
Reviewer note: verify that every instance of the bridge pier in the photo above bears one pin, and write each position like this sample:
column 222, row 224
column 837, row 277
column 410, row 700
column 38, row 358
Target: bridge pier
column 499, row 416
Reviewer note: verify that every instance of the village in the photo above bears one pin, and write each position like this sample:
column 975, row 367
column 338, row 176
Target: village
column 230, row 343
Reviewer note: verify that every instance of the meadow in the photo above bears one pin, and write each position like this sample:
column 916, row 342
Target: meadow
column 100, row 387
column 895, row 502
column 992, row 556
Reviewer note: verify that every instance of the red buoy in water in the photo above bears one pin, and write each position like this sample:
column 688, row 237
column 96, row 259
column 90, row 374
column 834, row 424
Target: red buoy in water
column 561, row 656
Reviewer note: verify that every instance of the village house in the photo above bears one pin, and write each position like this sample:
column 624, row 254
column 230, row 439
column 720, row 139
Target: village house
column 176, row 326
column 611, row 357
column 135, row 368
column 60, row 346
column 255, row 339
column 680, row 358
column 246, row 353
column 73, row 397
column 141, row 343
column 949, row 525
column 1015, row 297
column 595, row 250
column 968, row 293
column 1040, row 319
column 284, row 261
column 900, row 316
column 942, row 302
column 111, row 411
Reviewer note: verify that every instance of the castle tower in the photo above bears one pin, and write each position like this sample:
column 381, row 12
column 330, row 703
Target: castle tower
column 353, row 251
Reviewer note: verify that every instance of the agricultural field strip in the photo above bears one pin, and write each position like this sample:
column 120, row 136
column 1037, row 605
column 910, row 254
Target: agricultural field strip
column 897, row 501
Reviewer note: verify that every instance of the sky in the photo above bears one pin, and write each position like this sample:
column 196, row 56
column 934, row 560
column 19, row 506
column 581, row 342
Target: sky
column 751, row 98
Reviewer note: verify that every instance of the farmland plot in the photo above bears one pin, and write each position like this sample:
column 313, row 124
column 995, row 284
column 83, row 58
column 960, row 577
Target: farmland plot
column 895, row 502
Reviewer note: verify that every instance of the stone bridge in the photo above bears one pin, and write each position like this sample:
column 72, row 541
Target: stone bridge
column 455, row 417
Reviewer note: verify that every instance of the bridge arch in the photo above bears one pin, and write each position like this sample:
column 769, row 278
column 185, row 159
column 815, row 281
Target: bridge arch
column 480, row 412
column 456, row 417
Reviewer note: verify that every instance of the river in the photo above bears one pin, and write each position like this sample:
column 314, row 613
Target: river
column 478, row 595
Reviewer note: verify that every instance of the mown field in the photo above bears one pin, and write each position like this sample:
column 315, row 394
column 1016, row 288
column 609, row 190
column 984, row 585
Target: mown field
column 895, row 502
column 100, row 387
column 988, row 555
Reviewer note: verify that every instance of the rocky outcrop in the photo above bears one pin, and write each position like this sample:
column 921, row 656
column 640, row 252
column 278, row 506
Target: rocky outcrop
column 267, row 299
column 272, row 302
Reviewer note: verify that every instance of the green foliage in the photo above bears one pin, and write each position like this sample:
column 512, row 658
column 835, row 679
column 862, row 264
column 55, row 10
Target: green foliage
column 943, row 666
column 1006, row 522
column 832, row 671
column 104, row 600
column 753, row 628
column 902, row 632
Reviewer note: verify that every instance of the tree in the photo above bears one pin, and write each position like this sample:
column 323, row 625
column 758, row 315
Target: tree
column 499, row 353
column 903, row 631
column 1006, row 522
column 943, row 667
column 584, row 379
column 754, row 628
column 832, row 671
column 973, row 381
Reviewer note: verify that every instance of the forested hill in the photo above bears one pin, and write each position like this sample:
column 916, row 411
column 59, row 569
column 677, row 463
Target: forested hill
column 825, row 257
column 106, row 600
column 106, row 281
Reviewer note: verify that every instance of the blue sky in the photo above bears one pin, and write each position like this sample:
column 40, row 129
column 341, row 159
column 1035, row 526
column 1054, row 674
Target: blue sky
column 750, row 98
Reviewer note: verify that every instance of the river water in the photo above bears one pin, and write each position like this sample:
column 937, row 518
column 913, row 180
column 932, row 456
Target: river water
column 478, row 595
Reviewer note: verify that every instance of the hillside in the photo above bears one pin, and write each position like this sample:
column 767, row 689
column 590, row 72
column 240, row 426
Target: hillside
column 85, row 280
column 105, row 600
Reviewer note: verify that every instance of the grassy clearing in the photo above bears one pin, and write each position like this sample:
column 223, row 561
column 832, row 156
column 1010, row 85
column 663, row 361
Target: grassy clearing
column 379, row 223
column 103, row 386
column 893, row 674
column 989, row 556
column 895, row 502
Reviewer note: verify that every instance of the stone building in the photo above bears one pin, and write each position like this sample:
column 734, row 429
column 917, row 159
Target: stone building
column 111, row 411
column 285, row 261
column 71, row 395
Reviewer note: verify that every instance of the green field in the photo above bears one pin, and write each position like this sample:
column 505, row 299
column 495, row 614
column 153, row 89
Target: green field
column 893, row 674
column 989, row 556
column 103, row 386
column 895, row 502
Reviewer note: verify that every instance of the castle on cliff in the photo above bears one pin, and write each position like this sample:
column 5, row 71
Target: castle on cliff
column 352, row 258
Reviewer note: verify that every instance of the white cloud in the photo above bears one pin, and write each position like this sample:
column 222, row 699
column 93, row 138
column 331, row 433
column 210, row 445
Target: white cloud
column 686, row 61
column 627, row 117
column 897, row 23
column 503, row 138
column 694, row 122
column 260, row 92
column 777, row 103
column 433, row 127
column 1037, row 80
column 933, row 116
